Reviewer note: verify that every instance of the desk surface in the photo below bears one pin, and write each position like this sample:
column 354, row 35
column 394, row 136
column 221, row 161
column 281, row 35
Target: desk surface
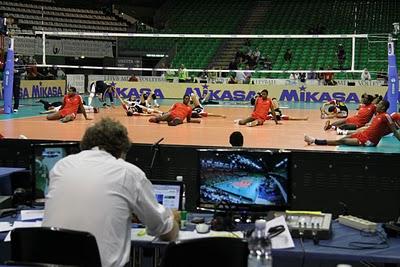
column 341, row 237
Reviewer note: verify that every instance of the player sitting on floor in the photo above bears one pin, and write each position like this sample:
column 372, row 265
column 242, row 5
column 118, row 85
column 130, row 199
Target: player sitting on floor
column 365, row 113
column 334, row 109
column 260, row 113
column 279, row 115
column 72, row 102
column 102, row 88
column 381, row 125
column 141, row 107
column 198, row 109
column 56, row 106
column 177, row 113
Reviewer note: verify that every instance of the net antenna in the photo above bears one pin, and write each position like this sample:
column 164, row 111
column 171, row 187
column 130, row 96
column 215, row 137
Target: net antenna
column 45, row 34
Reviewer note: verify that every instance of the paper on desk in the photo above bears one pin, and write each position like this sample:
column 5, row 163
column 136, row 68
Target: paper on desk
column 19, row 224
column 183, row 235
column 5, row 226
column 27, row 215
column 140, row 234
column 284, row 240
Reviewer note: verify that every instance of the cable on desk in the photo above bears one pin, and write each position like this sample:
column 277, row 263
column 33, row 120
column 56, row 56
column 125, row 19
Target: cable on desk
column 303, row 259
column 367, row 264
column 358, row 245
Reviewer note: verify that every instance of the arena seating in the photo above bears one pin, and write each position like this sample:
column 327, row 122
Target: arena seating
column 192, row 17
column 29, row 16
column 333, row 17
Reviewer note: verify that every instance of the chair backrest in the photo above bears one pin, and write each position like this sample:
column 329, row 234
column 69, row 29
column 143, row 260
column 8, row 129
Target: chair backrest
column 208, row 251
column 55, row 246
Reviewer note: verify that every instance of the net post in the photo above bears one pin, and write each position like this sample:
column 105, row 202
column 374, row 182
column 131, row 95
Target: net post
column 353, row 52
column 43, row 48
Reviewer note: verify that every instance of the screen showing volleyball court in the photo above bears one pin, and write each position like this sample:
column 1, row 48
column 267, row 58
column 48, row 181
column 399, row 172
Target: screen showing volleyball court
column 245, row 179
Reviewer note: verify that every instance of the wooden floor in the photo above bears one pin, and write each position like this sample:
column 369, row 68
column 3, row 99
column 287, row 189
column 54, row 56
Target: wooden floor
column 210, row 132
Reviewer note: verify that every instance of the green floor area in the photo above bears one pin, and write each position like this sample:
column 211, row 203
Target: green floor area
column 388, row 144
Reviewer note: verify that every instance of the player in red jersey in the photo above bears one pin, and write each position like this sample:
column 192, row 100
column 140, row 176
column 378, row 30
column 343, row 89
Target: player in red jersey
column 383, row 124
column 364, row 115
column 260, row 113
column 177, row 114
column 72, row 102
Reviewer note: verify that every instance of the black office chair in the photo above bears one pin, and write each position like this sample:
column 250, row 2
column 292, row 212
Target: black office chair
column 208, row 251
column 50, row 245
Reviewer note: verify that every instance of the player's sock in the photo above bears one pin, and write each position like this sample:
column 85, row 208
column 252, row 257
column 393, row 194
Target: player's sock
column 320, row 142
column 252, row 123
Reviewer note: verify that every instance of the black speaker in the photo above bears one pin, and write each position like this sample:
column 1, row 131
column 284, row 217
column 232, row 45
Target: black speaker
column 223, row 218
column 392, row 229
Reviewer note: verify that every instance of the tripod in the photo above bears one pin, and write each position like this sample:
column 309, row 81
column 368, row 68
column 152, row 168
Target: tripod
column 156, row 148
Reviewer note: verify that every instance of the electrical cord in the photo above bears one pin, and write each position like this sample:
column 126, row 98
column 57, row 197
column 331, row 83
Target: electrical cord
column 303, row 258
column 358, row 245
column 367, row 264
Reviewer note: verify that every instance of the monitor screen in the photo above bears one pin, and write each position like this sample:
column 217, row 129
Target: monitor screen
column 168, row 193
column 45, row 156
column 246, row 180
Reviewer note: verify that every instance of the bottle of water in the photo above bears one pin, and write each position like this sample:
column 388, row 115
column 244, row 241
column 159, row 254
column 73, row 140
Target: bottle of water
column 179, row 178
column 259, row 247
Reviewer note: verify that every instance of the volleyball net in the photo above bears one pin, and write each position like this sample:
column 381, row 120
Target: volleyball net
column 202, row 52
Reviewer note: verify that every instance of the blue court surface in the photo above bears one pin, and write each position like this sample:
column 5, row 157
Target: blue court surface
column 388, row 144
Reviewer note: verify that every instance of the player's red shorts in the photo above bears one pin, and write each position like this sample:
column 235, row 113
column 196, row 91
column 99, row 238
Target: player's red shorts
column 354, row 120
column 65, row 112
column 362, row 139
column 258, row 118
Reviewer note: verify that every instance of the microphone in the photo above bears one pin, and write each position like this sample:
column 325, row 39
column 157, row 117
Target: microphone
column 158, row 142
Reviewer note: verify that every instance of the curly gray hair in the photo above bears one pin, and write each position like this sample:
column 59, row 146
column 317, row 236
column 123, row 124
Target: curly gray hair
column 109, row 135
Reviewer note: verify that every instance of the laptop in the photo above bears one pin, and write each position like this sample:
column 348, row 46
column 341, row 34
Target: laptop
column 168, row 193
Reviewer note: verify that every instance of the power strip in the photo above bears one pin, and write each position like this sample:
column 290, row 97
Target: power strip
column 357, row 223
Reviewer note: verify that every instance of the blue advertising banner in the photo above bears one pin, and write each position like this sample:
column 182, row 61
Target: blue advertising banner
column 393, row 80
column 8, row 79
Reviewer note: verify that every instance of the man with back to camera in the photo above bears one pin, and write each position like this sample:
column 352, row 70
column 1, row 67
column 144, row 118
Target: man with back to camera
column 87, row 195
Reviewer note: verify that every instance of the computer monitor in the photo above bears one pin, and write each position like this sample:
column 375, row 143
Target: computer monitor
column 45, row 156
column 243, row 180
column 168, row 193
